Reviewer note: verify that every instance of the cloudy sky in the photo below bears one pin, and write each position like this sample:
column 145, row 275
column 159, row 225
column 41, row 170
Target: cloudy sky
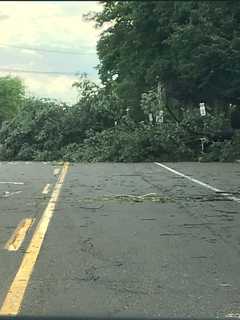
column 48, row 26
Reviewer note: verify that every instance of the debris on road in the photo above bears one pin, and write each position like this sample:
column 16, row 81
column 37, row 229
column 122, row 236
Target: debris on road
column 131, row 198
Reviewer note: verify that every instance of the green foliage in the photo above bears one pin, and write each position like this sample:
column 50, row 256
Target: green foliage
column 37, row 127
column 46, row 130
column 11, row 97
column 124, row 144
column 191, row 47
column 224, row 151
column 95, row 107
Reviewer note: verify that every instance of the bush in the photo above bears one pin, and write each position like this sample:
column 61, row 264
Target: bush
column 123, row 144
column 46, row 131
column 224, row 151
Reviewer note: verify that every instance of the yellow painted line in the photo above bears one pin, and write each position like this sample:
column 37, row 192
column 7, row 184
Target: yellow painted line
column 13, row 300
column 46, row 189
column 56, row 171
column 14, row 243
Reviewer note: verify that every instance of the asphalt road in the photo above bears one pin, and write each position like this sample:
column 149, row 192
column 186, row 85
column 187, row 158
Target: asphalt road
column 123, row 239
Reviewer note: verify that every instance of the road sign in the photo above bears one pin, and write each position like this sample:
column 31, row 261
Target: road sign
column 202, row 109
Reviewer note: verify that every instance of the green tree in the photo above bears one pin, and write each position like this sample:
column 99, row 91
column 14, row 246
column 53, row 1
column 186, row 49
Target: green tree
column 191, row 47
column 36, row 132
column 11, row 97
column 96, row 106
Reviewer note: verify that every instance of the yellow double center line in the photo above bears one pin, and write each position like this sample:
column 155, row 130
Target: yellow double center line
column 15, row 294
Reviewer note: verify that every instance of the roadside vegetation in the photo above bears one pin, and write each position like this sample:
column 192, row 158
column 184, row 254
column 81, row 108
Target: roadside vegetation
column 158, row 61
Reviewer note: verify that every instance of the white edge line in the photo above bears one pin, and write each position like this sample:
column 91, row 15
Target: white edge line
column 225, row 194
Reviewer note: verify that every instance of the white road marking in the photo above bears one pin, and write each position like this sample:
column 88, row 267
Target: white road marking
column 8, row 194
column 46, row 189
column 56, row 171
column 11, row 182
column 225, row 194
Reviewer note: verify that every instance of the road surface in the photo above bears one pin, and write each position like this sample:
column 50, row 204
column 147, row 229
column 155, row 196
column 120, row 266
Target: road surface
column 114, row 239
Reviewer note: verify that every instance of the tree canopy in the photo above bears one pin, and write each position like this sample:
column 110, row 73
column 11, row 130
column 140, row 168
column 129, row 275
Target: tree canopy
column 11, row 96
column 191, row 47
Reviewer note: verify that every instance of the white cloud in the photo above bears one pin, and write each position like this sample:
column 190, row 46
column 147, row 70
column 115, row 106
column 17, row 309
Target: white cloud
column 51, row 86
column 59, row 87
column 47, row 22
column 49, row 25
column 31, row 53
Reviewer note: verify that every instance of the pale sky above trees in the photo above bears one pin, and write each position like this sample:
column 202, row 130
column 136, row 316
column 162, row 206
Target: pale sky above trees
column 53, row 25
